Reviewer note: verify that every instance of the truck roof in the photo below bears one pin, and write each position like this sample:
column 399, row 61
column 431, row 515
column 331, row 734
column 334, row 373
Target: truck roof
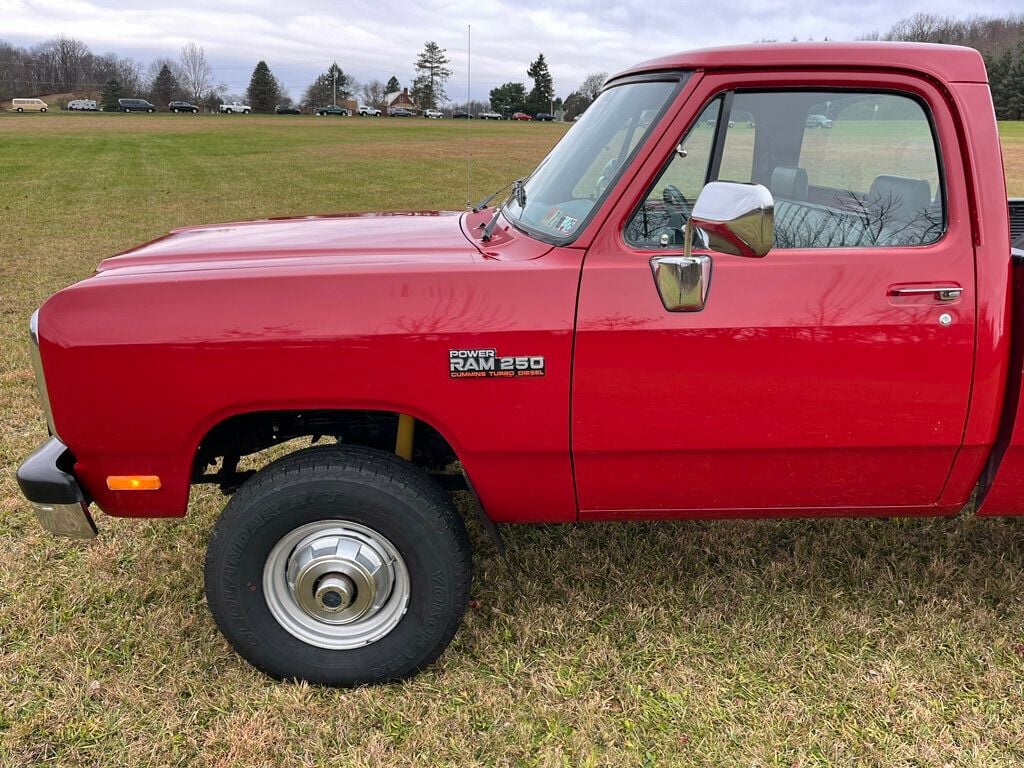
column 948, row 63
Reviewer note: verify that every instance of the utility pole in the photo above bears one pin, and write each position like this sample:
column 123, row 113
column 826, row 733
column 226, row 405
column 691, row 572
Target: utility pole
column 334, row 71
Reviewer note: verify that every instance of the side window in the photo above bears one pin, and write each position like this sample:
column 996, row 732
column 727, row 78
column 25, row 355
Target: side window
column 846, row 169
column 667, row 205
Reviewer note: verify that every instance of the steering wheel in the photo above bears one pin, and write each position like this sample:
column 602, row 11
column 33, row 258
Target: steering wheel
column 605, row 177
column 672, row 197
column 677, row 208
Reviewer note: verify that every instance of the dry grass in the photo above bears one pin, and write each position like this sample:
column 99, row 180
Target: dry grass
column 720, row 643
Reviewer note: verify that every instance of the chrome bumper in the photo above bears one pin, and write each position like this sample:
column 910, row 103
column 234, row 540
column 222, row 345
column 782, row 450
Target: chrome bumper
column 46, row 480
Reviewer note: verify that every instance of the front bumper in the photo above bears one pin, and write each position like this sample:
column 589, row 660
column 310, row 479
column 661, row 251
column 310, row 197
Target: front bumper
column 47, row 482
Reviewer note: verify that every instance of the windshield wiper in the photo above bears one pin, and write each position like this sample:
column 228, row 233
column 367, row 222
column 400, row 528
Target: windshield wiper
column 517, row 186
column 487, row 200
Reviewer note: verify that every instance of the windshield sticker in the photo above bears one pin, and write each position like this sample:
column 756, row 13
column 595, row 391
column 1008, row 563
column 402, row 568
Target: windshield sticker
column 487, row 364
column 559, row 221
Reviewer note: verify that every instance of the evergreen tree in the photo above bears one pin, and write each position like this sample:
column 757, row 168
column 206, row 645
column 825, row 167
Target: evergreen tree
column 1014, row 88
column 320, row 92
column 393, row 85
column 264, row 92
column 543, row 91
column 165, row 87
column 432, row 73
column 508, row 98
column 999, row 75
column 112, row 91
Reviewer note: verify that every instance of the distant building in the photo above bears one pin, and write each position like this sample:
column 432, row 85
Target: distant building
column 401, row 98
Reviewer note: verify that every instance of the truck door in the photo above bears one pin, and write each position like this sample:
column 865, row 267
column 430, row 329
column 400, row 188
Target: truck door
column 830, row 376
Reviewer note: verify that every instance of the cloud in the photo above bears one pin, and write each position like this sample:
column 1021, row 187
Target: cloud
column 378, row 39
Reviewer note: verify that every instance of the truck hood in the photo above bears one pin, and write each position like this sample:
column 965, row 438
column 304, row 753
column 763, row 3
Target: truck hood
column 359, row 239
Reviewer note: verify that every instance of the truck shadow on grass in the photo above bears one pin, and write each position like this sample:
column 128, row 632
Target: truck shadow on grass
column 837, row 590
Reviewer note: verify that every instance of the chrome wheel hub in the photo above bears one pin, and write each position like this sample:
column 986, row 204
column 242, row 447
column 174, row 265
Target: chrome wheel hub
column 336, row 584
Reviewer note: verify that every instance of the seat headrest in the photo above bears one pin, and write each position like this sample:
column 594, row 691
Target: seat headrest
column 789, row 183
column 903, row 197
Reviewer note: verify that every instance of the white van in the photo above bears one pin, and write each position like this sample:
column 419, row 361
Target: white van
column 83, row 105
column 28, row 105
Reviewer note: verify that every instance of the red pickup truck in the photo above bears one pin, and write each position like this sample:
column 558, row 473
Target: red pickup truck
column 696, row 306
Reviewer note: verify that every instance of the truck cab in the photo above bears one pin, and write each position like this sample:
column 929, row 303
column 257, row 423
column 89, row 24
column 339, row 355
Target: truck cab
column 762, row 281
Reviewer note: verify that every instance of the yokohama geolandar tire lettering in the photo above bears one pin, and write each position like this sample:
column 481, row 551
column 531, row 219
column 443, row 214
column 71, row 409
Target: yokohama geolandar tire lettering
column 372, row 502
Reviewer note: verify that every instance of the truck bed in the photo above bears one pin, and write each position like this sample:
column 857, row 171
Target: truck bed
column 1017, row 221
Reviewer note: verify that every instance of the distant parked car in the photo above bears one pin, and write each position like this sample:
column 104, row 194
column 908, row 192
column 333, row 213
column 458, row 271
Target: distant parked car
column 82, row 105
column 235, row 108
column 136, row 105
column 818, row 121
column 461, row 114
column 521, row 116
column 489, row 116
column 544, row 117
column 331, row 109
column 743, row 117
column 285, row 109
column 183, row 106
column 28, row 105
column 399, row 112
column 365, row 111
column 711, row 122
column 433, row 114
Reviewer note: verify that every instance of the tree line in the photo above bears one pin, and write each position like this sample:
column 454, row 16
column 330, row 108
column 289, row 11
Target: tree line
column 65, row 65
column 999, row 39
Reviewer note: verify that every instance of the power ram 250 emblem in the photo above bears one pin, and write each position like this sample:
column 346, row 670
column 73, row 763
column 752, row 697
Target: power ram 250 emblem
column 486, row 364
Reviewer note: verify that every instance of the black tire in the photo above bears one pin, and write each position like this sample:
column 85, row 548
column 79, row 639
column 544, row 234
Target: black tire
column 151, row 111
column 43, row 109
column 126, row 110
column 371, row 488
column 195, row 111
column 20, row 109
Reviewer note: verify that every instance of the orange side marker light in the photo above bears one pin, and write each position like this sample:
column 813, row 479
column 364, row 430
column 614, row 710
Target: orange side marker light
column 133, row 483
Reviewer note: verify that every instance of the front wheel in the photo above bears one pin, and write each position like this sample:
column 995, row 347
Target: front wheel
column 195, row 111
column 340, row 566
column 43, row 109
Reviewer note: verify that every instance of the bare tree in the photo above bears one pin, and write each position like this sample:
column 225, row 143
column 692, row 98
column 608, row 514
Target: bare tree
column 591, row 85
column 195, row 74
column 70, row 58
column 373, row 94
column 125, row 70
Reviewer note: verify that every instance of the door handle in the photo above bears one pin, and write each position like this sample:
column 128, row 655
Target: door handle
column 941, row 292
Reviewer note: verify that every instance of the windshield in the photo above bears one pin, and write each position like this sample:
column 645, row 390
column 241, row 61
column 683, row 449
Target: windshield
column 557, row 199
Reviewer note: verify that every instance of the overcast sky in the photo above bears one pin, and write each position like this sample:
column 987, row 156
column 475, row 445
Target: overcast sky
column 377, row 39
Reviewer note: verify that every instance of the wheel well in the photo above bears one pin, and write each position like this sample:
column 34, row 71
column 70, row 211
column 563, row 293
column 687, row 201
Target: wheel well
column 219, row 453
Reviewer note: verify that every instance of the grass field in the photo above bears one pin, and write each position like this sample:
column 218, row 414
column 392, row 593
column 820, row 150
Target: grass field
column 842, row 643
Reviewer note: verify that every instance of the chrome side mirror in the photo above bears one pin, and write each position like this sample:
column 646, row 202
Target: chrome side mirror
column 682, row 281
column 733, row 218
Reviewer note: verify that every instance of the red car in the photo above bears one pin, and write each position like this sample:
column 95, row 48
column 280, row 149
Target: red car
column 832, row 331
column 521, row 116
